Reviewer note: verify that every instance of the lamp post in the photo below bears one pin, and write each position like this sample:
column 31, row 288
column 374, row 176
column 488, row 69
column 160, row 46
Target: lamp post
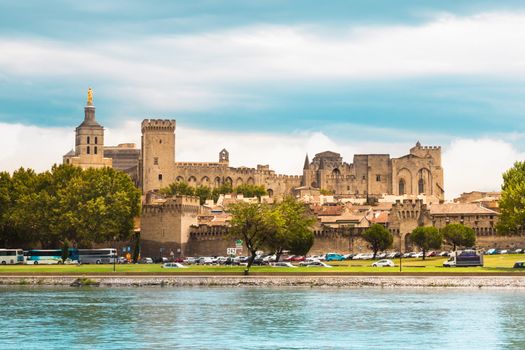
column 400, row 254
column 115, row 256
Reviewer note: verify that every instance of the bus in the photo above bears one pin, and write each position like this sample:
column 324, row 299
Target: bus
column 11, row 256
column 44, row 256
column 97, row 256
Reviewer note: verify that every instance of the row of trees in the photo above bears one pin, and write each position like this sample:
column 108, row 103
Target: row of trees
column 284, row 226
column 425, row 237
column 205, row 192
column 66, row 204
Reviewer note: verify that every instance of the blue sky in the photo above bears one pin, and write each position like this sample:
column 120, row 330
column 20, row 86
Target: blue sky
column 377, row 73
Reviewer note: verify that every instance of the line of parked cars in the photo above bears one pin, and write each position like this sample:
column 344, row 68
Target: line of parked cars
column 494, row 251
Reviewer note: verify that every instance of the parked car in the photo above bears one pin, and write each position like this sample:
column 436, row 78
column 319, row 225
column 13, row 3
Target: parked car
column 383, row 263
column 314, row 264
column 146, row 261
column 431, row 253
column 334, row 257
column 381, row 255
column 418, row 255
column 190, row 260
column 492, row 251
column 517, row 251
column 349, row 256
column 297, row 258
column 444, row 253
column 173, row 265
column 504, row 251
column 282, row 264
column 122, row 260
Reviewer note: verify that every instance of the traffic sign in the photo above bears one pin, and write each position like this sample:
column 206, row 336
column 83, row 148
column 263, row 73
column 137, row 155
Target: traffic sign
column 238, row 243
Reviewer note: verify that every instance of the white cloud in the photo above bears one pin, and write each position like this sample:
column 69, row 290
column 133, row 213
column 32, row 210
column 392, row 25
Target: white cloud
column 469, row 164
column 477, row 164
column 189, row 70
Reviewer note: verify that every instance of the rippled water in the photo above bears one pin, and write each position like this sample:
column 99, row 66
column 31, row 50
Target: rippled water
column 260, row 318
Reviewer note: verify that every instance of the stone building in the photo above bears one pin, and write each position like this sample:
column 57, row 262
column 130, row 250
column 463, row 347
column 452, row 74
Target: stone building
column 374, row 175
column 417, row 173
column 89, row 141
column 165, row 225
column 90, row 151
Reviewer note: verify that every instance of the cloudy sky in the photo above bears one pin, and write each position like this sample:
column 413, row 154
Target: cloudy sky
column 271, row 80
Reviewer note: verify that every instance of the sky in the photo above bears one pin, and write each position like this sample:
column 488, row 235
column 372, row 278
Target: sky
column 271, row 80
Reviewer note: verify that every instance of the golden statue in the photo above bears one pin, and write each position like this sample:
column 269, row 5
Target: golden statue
column 90, row 97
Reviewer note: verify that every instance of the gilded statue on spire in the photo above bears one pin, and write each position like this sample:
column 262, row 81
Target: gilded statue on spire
column 90, row 97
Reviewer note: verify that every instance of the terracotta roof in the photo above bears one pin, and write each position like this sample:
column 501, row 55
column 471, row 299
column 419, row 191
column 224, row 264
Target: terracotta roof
column 327, row 210
column 460, row 208
column 379, row 217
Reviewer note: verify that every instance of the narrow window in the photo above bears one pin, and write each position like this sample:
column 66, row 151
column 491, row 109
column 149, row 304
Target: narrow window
column 378, row 178
column 96, row 140
column 155, row 161
column 67, row 161
column 160, row 177
column 421, row 186
column 95, row 150
column 87, row 150
column 401, row 187
column 88, row 140
column 160, row 141
column 364, row 177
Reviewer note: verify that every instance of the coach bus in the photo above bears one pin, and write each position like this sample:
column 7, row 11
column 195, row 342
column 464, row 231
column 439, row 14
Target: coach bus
column 11, row 256
column 44, row 256
column 97, row 256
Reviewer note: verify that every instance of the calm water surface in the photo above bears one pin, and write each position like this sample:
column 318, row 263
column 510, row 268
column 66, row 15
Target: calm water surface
column 260, row 318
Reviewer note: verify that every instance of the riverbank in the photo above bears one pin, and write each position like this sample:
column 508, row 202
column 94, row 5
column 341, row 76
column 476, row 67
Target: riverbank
column 270, row 281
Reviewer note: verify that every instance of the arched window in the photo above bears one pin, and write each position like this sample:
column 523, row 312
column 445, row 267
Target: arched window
column 95, row 150
column 87, row 150
column 88, row 140
column 421, row 186
column 96, row 140
column 336, row 172
column 401, row 187
column 270, row 192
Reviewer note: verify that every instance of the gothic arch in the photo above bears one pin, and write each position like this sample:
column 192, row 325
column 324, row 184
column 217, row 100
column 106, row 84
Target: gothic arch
column 192, row 180
column 424, row 181
column 250, row 181
column 228, row 180
column 406, row 175
column 217, row 181
column 205, row 180
column 336, row 172
column 179, row 179
column 239, row 181
column 270, row 192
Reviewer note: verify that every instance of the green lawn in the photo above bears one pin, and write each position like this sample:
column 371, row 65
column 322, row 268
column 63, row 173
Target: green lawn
column 493, row 263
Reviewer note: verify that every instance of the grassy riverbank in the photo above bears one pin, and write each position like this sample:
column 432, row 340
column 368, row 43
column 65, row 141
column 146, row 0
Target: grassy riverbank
column 493, row 264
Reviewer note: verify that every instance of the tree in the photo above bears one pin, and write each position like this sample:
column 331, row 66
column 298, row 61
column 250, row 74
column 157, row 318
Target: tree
column 426, row 238
column 178, row 188
column 249, row 190
column 511, row 204
column 254, row 223
column 378, row 237
column 293, row 228
column 459, row 235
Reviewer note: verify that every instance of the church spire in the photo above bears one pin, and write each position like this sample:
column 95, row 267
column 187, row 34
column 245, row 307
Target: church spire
column 89, row 111
column 306, row 163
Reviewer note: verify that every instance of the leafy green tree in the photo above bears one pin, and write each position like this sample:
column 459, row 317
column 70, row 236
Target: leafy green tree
column 203, row 192
column 254, row 223
column 378, row 237
column 222, row 189
column 427, row 237
column 178, row 188
column 512, row 203
column 459, row 235
column 293, row 228
column 249, row 190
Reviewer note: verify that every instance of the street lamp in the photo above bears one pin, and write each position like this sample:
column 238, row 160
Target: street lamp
column 400, row 254
column 115, row 256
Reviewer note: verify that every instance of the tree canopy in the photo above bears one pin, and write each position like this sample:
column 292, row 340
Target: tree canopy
column 459, row 235
column 378, row 237
column 426, row 238
column 205, row 192
column 66, row 203
column 512, row 202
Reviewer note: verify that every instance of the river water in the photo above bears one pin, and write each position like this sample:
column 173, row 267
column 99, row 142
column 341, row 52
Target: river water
column 260, row 318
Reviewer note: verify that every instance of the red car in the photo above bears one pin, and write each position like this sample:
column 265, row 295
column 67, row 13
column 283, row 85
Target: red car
column 297, row 258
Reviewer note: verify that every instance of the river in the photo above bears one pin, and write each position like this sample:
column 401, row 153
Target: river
column 260, row 318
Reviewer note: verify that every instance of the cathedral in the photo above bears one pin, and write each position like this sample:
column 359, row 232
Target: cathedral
column 154, row 166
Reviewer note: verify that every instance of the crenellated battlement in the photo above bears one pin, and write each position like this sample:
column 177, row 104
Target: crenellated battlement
column 158, row 125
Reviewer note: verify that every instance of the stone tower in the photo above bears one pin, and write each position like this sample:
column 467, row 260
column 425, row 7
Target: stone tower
column 89, row 141
column 158, row 154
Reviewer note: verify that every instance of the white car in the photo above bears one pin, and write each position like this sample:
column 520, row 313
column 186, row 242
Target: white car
column 418, row 255
column 282, row 264
column 314, row 264
column 173, row 265
column 384, row 263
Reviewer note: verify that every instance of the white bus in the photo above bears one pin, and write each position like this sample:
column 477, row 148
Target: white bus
column 97, row 256
column 11, row 256
column 44, row 256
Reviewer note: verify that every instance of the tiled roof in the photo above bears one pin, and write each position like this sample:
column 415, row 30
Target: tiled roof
column 460, row 208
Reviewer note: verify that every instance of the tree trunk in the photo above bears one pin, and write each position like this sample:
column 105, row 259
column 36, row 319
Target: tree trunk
column 424, row 254
column 454, row 246
column 250, row 262
column 375, row 253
